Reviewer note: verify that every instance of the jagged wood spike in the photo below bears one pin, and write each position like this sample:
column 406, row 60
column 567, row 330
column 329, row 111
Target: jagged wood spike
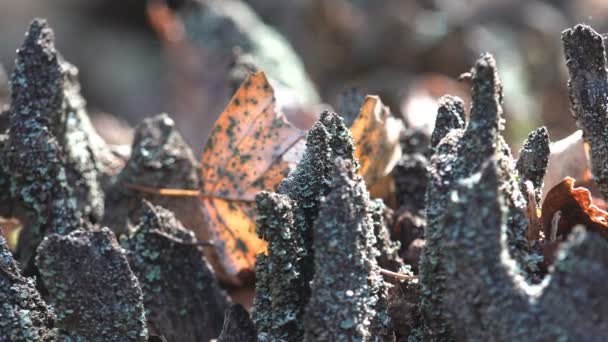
column 460, row 154
column 327, row 140
column 183, row 300
column 160, row 158
column 281, row 318
column 24, row 316
column 588, row 85
column 45, row 89
column 91, row 287
column 533, row 161
column 486, row 298
column 348, row 300
column 450, row 115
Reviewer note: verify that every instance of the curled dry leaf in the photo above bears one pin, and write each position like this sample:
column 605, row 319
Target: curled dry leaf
column 376, row 135
column 251, row 148
column 567, row 206
column 569, row 158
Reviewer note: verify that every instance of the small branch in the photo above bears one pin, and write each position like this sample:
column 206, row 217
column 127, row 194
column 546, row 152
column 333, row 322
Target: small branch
column 163, row 191
column 208, row 243
column 554, row 225
column 180, row 193
column 534, row 225
column 396, row 275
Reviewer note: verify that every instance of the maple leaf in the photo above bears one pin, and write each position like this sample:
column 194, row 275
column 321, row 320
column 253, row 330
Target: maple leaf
column 251, row 148
column 376, row 134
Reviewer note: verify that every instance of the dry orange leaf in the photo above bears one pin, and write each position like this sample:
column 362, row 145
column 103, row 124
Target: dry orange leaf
column 566, row 206
column 376, row 135
column 251, row 148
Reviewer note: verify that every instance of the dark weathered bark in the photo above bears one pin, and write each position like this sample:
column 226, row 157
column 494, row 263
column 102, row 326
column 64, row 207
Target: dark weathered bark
column 486, row 298
column 533, row 161
column 346, row 286
column 95, row 295
column 348, row 300
column 460, row 154
column 182, row 298
column 53, row 160
column 160, row 158
column 24, row 316
column 280, row 300
column 588, row 85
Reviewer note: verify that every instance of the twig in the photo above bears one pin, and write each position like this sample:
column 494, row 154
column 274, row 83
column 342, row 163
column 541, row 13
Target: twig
column 180, row 193
column 396, row 275
column 534, row 226
column 208, row 243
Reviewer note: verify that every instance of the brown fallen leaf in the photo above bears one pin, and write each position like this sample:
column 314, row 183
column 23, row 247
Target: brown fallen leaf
column 568, row 158
column 566, row 206
column 376, row 134
column 250, row 149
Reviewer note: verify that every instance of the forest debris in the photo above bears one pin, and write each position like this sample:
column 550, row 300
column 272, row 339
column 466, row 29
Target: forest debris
column 231, row 175
column 403, row 299
column 486, row 298
column 450, row 115
column 533, row 160
column 238, row 327
column 182, row 298
column 91, row 287
column 532, row 212
column 376, row 134
column 413, row 252
column 575, row 207
column 588, row 85
column 24, row 316
column 348, row 298
column 388, row 250
column 411, row 177
column 460, row 154
column 160, row 158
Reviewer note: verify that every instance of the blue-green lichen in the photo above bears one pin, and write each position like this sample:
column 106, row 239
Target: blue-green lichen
column 182, row 298
column 24, row 316
column 461, row 152
column 91, row 287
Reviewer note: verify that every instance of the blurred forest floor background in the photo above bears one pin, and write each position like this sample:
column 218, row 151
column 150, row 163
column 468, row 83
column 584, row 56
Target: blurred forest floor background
column 408, row 52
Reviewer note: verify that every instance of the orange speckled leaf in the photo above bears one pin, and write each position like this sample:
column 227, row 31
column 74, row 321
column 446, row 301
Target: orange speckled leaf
column 376, row 135
column 251, row 148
